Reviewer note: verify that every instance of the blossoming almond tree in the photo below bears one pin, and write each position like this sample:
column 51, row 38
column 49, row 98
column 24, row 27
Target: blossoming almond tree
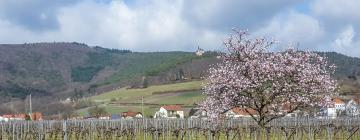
column 251, row 77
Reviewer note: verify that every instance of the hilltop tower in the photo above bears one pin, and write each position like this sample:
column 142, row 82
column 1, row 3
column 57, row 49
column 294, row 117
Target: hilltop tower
column 199, row 51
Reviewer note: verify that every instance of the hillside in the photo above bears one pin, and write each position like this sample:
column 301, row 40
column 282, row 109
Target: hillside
column 186, row 94
column 58, row 71
column 347, row 72
column 66, row 69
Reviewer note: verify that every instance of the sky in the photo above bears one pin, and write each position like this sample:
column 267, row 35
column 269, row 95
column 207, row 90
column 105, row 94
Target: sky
column 182, row 25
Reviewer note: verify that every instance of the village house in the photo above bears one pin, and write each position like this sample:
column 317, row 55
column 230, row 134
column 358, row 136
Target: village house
column 7, row 117
column 2, row 119
column 170, row 111
column 20, row 117
column 339, row 104
column 131, row 115
column 331, row 112
column 334, row 107
column 76, row 118
column 104, row 118
column 238, row 112
column 13, row 117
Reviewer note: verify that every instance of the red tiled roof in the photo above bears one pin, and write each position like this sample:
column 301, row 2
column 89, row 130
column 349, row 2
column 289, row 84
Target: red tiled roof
column 338, row 101
column 23, row 116
column 129, row 114
column 8, row 115
column 242, row 111
column 36, row 116
column 172, row 107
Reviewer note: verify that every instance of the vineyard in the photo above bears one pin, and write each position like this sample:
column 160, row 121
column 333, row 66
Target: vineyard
column 182, row 129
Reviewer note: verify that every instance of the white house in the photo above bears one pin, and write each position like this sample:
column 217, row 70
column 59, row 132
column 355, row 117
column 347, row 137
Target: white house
column 332, row 108
column 2, row 119
column 131, row 115
column 104, row 117
column 328, row 111
column 240, row 112
column 331, row 112
column 339, row 104
column 12, row 117
column 170, row 111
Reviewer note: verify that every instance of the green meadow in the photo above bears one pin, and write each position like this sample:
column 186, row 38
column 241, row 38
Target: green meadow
column 149, row 99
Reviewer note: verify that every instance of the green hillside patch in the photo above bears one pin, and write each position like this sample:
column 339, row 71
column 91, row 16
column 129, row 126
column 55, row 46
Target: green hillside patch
column 184, row 98
column 84, row 74
column 148, row 64
column 186, row 94
column 134, row 95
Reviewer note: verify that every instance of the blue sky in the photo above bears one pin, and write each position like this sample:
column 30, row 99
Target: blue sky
column 168, row 25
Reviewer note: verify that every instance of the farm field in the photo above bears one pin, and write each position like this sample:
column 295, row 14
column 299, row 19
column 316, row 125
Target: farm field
column 186, row 94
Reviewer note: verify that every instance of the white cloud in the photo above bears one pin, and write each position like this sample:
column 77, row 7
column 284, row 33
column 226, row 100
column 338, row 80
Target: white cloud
column 34, row 15
column 345, row 42
column 155, row 27
column 341, row 10
column 341, row 20
column 162, row 25
column 225, row 14
column 345, row 38
column 294, row 28
column 10, row 33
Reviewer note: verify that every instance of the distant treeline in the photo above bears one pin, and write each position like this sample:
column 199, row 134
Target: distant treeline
column 117, row 51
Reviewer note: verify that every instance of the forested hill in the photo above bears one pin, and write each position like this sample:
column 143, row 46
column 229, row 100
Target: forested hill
column 347, row 72
column 75, row 70
column 66, row 69
column 346, row 66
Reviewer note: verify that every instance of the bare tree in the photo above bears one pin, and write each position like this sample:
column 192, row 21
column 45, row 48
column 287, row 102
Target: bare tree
column 97, row 111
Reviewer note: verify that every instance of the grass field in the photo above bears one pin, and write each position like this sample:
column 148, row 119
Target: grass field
column 186, row 98
column 117, row 101
column 134, row 94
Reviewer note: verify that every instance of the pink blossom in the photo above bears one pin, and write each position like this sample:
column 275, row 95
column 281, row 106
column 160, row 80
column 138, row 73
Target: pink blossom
column 251, row 76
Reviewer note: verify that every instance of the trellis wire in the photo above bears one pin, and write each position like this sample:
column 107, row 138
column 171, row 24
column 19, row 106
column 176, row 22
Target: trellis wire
column 243, row 128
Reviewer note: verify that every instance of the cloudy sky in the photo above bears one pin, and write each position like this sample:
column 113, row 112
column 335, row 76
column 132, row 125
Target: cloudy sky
column 167, row 25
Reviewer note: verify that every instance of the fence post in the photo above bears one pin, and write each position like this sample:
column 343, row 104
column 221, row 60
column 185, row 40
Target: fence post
column 64, row 130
